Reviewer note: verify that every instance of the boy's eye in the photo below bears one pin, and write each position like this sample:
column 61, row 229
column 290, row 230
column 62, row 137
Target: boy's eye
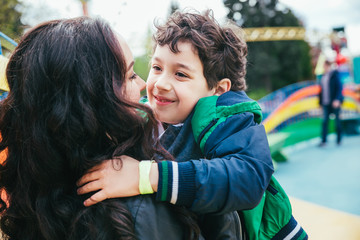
column 182, row 75
column 156, row 68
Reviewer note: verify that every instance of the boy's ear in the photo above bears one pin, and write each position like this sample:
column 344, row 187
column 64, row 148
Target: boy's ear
column 223, row 86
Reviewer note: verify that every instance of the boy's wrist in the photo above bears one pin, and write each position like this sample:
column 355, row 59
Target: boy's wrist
column 144, row 177
column 154, row 176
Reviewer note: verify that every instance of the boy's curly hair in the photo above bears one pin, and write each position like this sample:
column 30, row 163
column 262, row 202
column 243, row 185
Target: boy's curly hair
column 221, row 51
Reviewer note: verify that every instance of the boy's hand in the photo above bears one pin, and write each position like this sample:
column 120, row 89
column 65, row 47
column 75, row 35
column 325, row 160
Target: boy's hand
column 336, row 103
column 112, row 178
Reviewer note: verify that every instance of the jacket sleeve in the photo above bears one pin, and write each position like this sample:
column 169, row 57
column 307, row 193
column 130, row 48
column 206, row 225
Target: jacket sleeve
column 239, row 169
column 234, row 175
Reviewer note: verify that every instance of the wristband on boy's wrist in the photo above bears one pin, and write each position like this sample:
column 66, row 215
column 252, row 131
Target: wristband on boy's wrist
column 144, row 177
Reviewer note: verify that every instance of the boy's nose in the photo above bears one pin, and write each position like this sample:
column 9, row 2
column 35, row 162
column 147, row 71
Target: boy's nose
column 163, row 83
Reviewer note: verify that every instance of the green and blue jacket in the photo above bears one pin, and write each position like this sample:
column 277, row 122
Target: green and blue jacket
column 222, row 165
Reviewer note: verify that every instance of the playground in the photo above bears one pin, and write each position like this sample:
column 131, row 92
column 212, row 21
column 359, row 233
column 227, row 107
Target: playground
column 324, row 187
column 323, row 183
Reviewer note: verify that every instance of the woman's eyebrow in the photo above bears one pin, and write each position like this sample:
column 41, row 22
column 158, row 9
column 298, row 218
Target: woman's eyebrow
column 130, row 65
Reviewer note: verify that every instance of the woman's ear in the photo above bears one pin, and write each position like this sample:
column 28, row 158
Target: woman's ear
column 223, row 86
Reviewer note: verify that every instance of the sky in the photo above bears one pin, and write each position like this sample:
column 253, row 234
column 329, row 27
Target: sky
column 133, row 18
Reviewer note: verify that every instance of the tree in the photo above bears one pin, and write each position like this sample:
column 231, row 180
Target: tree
column 10, row 23
column 174, row 5
column 272, row 64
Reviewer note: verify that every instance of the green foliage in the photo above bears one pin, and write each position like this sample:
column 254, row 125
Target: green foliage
column 10, row 23
column 257, row 93
column 272, row 64
column 142, row 66
column 142, row 63
column 174, row 5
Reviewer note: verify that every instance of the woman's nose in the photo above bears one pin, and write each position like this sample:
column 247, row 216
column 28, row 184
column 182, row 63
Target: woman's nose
column 141, row 83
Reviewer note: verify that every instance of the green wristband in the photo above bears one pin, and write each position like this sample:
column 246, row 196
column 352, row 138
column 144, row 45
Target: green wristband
column 144, row 177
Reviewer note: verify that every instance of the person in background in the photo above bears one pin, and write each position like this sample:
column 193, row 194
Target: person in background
column 330, row 99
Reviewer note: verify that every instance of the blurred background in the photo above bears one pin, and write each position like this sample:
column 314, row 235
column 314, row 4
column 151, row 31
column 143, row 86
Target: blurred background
column 272, row 64
column 288, row 43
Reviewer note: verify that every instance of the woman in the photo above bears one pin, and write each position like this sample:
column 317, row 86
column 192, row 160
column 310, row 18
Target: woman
column 72, row 104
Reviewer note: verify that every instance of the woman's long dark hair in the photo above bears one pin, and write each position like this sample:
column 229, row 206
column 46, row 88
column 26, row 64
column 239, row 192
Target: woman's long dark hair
column 61, row 118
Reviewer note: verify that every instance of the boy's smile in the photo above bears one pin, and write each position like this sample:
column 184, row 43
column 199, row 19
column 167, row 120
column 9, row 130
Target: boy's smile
column 176, row 82
column 162, row 100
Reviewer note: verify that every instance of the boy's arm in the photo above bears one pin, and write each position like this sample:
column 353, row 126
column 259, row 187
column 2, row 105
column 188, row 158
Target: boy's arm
column 234, row 179
column 235, row 176
column 114, row 178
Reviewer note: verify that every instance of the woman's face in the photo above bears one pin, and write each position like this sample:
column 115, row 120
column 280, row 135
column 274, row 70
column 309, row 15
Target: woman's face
column 133, row 84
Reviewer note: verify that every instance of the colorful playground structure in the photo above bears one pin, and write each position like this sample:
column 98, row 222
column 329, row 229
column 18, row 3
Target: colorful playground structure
column 292, row 114
column 299, row 102
column 8, row 44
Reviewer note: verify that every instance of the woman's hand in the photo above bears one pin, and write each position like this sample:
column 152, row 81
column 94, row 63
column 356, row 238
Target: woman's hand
column 112, row 178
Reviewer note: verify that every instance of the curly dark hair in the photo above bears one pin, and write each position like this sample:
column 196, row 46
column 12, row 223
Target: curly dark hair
column 61, row 118
column 221, row 51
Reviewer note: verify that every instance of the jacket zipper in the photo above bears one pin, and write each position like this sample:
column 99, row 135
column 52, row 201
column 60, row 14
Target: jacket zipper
column 272, row 190
column 212, row 123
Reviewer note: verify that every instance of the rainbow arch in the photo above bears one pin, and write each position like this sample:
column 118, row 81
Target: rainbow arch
column 306, row 100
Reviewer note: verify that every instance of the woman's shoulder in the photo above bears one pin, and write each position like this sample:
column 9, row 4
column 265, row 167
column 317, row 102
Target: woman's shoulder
column 152, row 219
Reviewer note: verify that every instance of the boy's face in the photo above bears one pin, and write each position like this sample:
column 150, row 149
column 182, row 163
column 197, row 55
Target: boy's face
column 176, row 82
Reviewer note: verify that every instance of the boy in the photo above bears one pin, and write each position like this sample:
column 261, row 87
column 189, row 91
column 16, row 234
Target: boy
column 230, row 164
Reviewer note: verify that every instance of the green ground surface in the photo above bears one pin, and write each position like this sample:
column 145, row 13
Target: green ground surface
column 295, row 133
column 304, row 130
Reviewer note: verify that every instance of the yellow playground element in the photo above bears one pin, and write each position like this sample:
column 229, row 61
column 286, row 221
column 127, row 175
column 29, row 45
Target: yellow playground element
column 3, row 83
column 322, row 223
